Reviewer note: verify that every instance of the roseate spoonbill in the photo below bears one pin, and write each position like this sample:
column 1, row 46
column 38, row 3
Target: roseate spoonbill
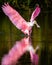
column 18, row 50
column 18, row 20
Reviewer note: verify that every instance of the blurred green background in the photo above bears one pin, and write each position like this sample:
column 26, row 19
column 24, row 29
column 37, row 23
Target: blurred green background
column 9, row 34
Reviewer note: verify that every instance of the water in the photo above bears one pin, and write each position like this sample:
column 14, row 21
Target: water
column 43, row 36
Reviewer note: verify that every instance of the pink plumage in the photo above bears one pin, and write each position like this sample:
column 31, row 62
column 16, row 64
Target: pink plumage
column 16, row 52
column 35, row 59
column 24, row 45
column 15, row 18
column 35, row 13
column 18, row 20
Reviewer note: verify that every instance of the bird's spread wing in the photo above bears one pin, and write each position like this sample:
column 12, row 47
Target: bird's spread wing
column 16, row 52
column 35, row 13
column 15, row 17
column 34, row 56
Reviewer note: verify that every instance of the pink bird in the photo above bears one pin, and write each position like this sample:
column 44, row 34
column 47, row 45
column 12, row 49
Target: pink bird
column 18, row 20
column 24, row 45
column 18, row 50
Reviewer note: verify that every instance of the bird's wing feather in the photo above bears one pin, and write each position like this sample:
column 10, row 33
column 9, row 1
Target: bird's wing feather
column 15, row 17
column 16, row 52
column 35, row 13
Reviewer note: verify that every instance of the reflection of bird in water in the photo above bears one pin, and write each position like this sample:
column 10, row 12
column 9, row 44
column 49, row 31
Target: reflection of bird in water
column 25, row 44
column 18, row 50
